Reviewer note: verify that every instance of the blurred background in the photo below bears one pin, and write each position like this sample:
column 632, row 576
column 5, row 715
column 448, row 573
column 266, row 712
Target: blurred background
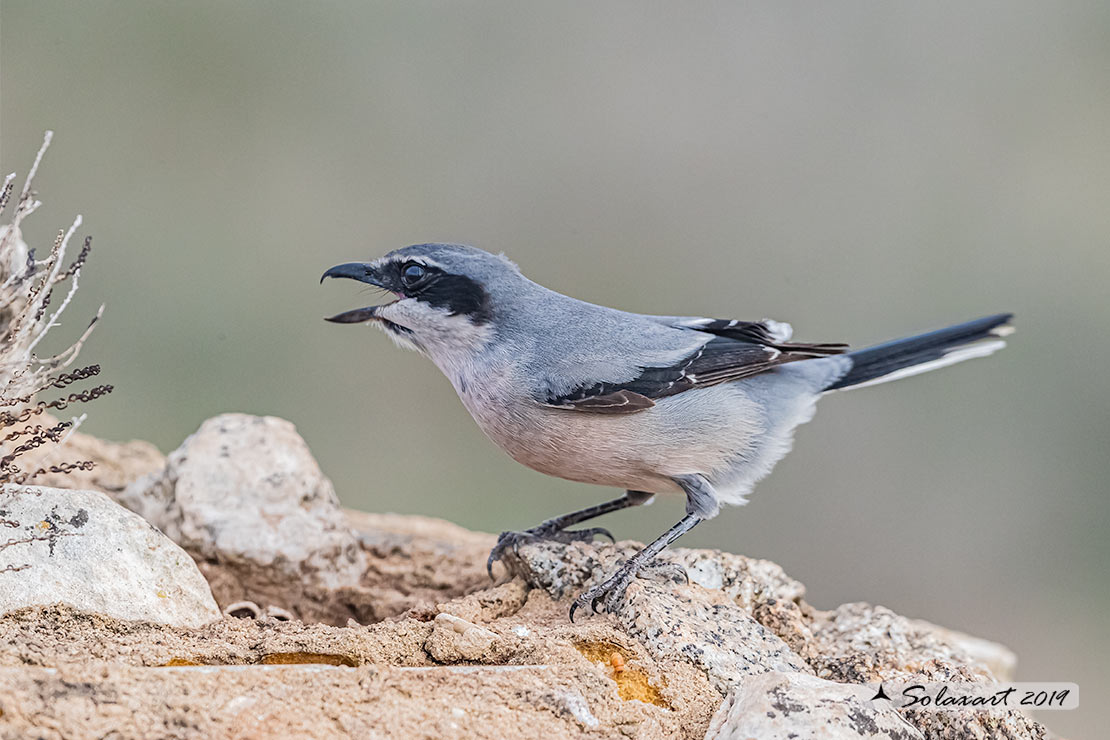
column 861, row 170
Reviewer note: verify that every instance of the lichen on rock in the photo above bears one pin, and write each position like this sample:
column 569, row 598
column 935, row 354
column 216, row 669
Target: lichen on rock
column 82, row 549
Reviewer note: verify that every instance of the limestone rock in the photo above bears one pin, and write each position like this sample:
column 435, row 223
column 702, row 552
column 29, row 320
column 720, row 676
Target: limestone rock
column 747, row 581
column 317, row 702
column 973, row 724
column 795, row 706
column 458, row 656
column 707, row 629
column 860, row 643
column 564, row 570
column 740, row 619
column 998, row 659
column 245, row 497
column 711, row 626
column 454, row 640
column 82, row 549
column 253, row 678
column 247, row 488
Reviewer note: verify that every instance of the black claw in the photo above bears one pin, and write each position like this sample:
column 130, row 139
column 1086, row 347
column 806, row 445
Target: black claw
column 603, row 532
column 566, row 536
column 505, row 541
column 573, row 607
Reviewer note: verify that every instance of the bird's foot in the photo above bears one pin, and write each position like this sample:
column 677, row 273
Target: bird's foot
column 609, row 594
column 511, row 541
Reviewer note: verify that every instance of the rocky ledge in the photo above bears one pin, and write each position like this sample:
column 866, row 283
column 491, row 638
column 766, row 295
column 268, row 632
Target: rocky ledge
column 245, row 602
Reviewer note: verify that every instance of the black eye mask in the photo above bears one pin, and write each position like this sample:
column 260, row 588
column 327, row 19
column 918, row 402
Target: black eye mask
column 457, row 294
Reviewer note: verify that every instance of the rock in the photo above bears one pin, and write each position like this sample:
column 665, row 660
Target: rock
column 747, row 581
column 310, row 702
column 859, row 643
column 244, row 496
column 246, row 499
column 454, row 640
column 707, row 629
column 82, row 549
column 248, row 678
column 448, row 653
column 564, row 570
column 745, row 623
column 998, row 659
column 712, row 627
column 973, row 724
column 501, row 660
column 796, row 706
column 416, row 562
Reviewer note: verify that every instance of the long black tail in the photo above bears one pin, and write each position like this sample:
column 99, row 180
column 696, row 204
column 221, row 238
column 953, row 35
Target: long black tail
column 924, row 352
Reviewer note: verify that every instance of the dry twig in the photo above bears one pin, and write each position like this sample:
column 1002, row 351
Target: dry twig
column 27, row 287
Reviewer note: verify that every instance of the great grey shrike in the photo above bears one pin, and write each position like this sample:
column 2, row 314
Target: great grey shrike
column 651, row 404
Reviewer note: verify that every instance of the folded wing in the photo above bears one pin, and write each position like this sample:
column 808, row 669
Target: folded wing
column 735, row 350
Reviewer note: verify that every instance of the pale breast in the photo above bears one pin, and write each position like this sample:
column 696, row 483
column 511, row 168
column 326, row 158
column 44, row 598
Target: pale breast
column 700, row 431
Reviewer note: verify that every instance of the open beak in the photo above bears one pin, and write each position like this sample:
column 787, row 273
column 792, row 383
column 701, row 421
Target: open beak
column 364, row 273
column 354, row 316
column 361, row 271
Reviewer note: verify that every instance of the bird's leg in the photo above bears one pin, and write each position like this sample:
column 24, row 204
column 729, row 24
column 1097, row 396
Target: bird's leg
column 556, row 527
column 701, row 504
column 609, row 592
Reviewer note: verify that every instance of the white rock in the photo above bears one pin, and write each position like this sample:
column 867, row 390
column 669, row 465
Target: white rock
column 454, row 639
column 81, row 548
column 245, row 490
column 778, row 706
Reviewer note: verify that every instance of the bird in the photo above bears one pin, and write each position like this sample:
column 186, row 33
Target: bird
column 695, row 406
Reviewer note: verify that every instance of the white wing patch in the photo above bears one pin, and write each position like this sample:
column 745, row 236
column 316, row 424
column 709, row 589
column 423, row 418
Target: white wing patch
column 780, row 331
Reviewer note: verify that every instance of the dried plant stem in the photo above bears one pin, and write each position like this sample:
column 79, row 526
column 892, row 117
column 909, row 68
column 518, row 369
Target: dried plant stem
column 27, row 287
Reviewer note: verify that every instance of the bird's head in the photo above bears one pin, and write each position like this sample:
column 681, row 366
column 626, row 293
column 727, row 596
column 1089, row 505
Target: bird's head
column 446, row 296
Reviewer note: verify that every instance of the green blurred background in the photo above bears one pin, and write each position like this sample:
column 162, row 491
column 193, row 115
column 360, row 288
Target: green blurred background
column 862, row 170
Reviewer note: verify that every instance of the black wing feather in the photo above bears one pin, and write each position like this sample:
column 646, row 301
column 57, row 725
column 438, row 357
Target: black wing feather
column 739, row 349
column 718, row 361
column 759, row 333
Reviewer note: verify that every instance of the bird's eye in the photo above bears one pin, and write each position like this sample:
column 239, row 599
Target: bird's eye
column 412, row 273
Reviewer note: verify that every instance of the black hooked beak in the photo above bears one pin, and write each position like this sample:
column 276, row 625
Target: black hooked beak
column 364, row 273
column 361, row 271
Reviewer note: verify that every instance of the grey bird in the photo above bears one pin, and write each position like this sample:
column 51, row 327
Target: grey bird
column 651, row 404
